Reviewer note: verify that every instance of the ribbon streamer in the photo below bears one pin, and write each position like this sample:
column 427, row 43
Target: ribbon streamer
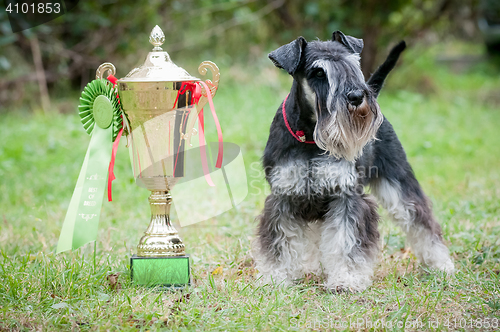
column 101, row 117
column 82, row 218
column 111, row 174
column 218, row 164
column 195, row 89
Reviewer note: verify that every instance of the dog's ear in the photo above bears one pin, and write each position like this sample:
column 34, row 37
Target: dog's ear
column 288, row 56
column 354, row 45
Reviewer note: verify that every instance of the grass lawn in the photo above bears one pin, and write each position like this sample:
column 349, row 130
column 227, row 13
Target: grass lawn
column 448, row 122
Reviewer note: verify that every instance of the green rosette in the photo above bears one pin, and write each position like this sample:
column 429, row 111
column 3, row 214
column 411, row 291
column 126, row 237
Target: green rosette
column 100, row 113
column 99, row 105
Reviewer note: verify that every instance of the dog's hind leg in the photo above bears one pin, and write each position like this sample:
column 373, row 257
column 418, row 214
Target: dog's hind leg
column 349, row 242
column 398, row 191
column 285, row 247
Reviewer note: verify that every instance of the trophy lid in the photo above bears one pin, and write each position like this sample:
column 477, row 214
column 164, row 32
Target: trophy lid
column 158, row 66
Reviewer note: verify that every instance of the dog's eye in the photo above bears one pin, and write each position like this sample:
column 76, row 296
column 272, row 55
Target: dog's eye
column 319, row 73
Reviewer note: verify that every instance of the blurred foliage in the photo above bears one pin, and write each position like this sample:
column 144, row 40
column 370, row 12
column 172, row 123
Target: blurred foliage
column 491, row 10
column 227, row 31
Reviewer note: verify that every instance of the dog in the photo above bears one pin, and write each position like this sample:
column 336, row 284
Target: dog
column 327, row 142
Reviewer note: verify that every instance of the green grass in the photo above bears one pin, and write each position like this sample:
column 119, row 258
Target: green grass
column 448, row 123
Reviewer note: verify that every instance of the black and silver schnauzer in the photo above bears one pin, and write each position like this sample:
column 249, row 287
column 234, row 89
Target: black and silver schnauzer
column 327, row 141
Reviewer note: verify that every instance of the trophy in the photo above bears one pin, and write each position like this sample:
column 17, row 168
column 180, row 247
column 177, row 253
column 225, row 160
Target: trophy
column 161, row 103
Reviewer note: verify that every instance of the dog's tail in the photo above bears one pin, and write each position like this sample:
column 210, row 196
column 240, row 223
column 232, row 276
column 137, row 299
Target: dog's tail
column 376, row 81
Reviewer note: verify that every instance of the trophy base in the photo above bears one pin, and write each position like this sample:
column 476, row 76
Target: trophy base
column 172, row 272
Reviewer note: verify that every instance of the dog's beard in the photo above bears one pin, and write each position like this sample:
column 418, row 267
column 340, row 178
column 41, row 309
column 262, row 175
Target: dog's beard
column 345, row 132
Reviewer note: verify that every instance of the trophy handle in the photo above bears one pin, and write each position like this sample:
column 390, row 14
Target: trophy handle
column 107, row 66
column 212, row 85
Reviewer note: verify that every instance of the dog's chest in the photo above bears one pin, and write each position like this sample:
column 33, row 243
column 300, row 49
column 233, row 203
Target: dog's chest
column 321, row 176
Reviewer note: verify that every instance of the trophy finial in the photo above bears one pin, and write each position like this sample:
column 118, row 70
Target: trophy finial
column 157, row 38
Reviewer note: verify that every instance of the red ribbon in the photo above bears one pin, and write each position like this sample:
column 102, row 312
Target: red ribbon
column 112, row 79
column 203, row 152
column 195, row 88
column 195, row 97
column 111, row 174
column 218, row 164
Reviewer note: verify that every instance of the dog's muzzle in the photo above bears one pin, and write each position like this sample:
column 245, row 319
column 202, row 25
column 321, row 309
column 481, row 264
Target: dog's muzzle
column 346, row 130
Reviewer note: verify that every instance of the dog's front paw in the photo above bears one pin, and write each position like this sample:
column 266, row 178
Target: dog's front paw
column 446, row 266
column 273, row 279
column 349, row 283
column 338, row 290
column 436, row 256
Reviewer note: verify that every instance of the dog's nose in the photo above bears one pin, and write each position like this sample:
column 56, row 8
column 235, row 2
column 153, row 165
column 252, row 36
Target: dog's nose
column 355, row 97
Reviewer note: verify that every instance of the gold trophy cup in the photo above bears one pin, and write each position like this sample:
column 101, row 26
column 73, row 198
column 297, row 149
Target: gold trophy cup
column 160, row 118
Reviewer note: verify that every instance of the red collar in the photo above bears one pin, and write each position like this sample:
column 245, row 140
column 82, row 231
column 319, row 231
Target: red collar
column 299, row 134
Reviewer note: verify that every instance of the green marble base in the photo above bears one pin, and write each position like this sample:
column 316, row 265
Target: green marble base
column 160, row 271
